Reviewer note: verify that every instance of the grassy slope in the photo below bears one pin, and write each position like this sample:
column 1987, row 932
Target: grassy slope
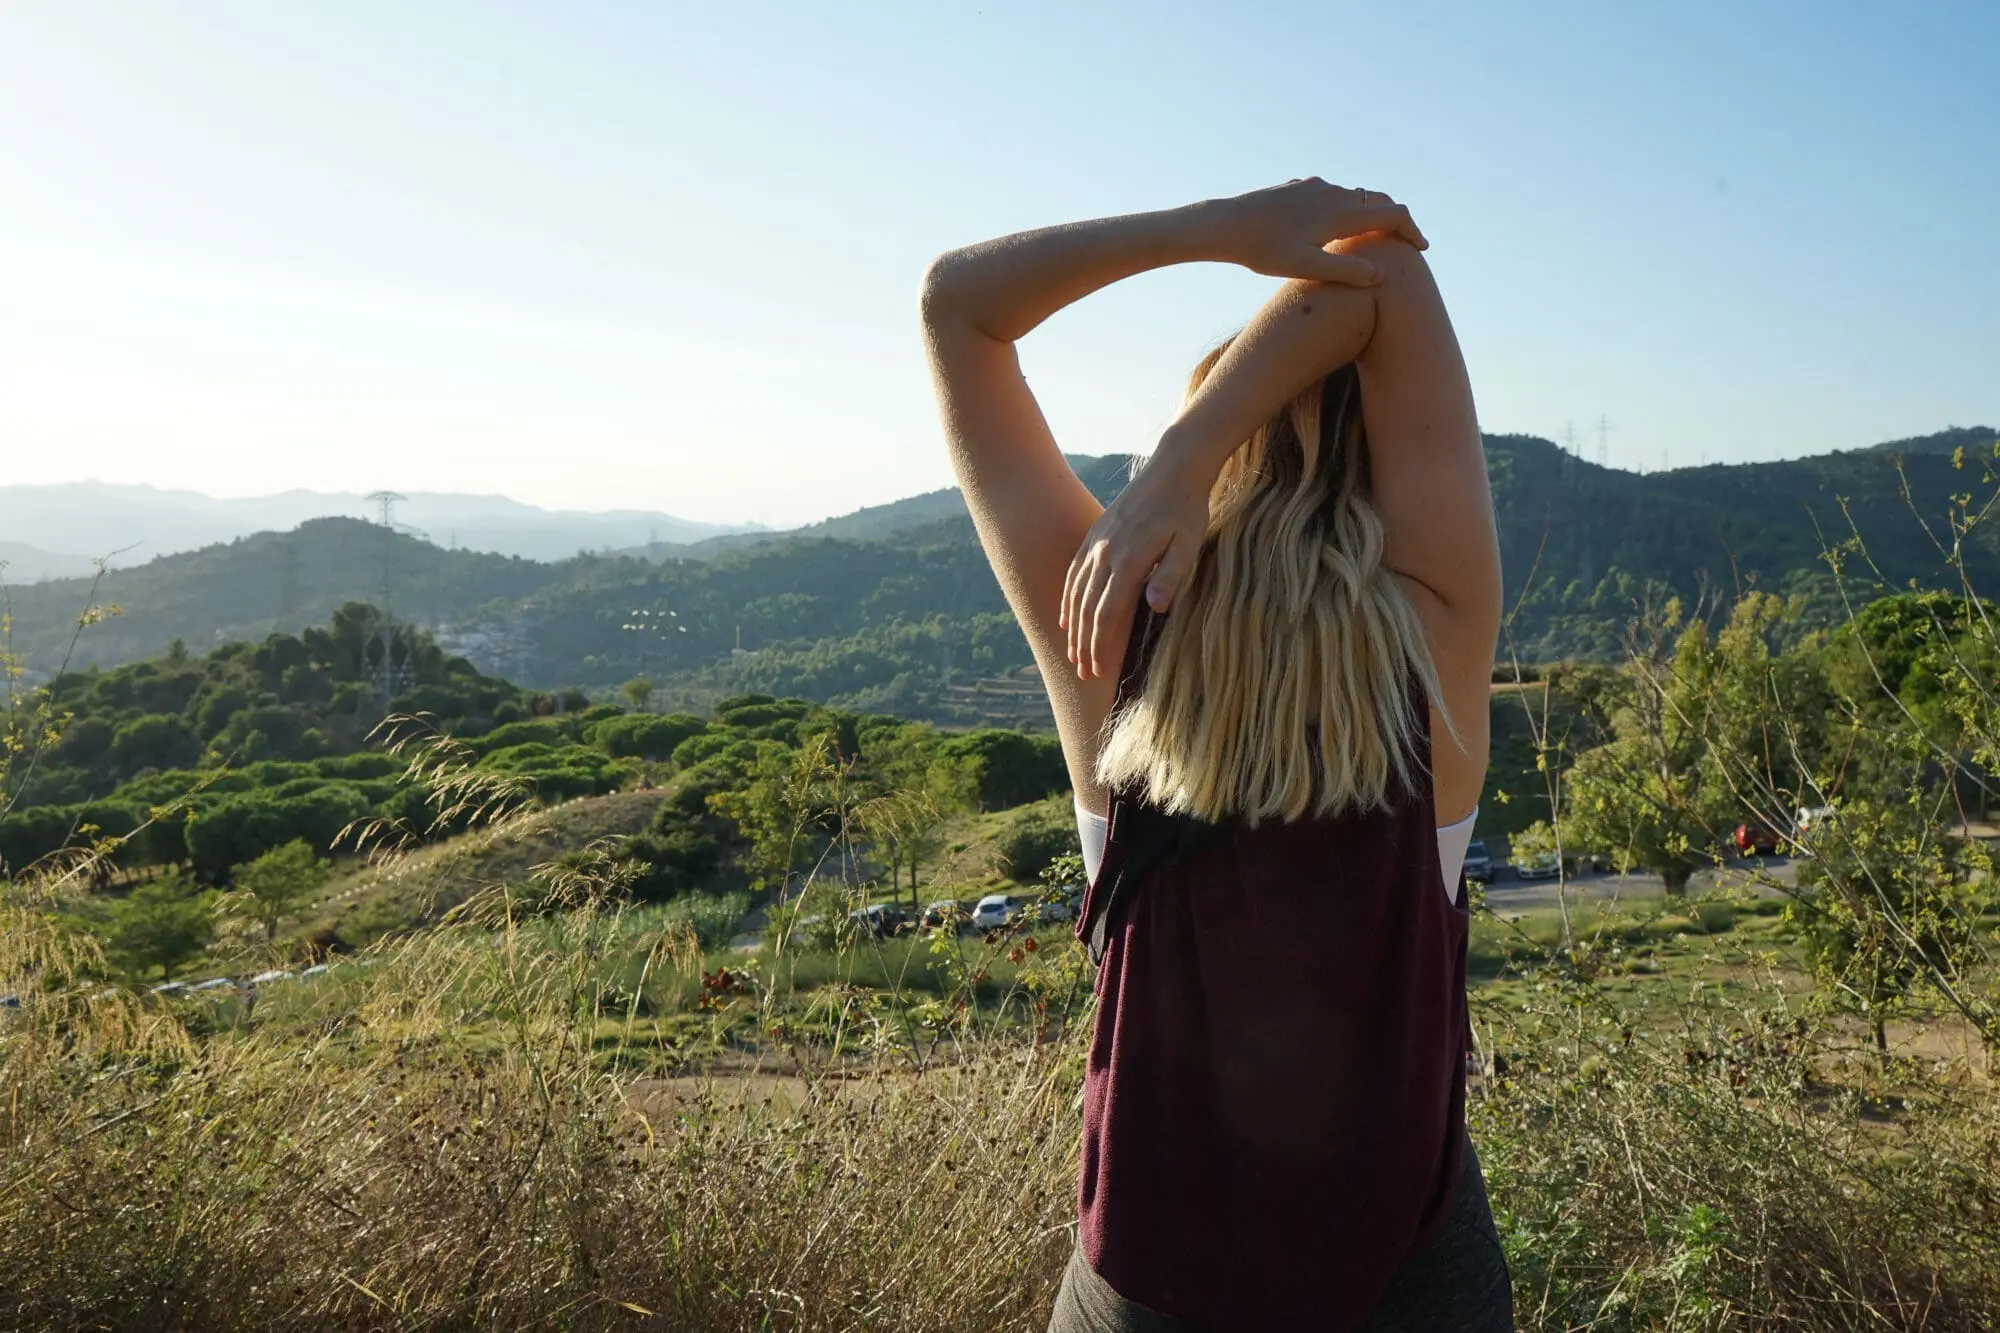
column 368, row 900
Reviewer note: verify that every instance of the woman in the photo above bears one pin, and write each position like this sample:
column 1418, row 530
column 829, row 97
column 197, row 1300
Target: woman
column 1273, row 1117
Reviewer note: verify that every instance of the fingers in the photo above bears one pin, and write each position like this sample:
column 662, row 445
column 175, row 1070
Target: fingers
column 1103, row 610
column 1372, row 210
column 1087, row 574
column 1169, row 574
column 1071, row 618
column 1348, row 270
column 1385, row 214
column 1063, row 619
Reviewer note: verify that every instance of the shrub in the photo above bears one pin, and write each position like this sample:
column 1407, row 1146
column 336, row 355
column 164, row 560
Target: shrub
column 523, row 733
column 675, row 861
column 1015, row 767
column 714, row 918
column 645, row 735
column 1036, row 836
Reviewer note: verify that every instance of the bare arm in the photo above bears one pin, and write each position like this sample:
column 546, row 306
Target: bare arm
column 1426, row 463
column 1029, row 508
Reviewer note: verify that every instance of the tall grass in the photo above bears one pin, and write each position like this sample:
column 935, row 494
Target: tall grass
column 468, row 1127
column 434, row 1142
column 437, row 1141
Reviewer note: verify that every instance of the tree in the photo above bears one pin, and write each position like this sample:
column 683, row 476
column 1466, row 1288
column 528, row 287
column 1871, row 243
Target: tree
column 162, row 924
column 1654, row 796
column 638, row 691
column 154, row 741
column 1890, row 905
column 795, row 804
column 277, row 882
column 921, row 786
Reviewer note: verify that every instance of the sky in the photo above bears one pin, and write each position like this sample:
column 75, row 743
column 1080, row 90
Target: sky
column 665, row 256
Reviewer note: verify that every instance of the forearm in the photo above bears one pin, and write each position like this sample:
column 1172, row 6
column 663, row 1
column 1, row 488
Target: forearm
column 1003, row 288
column 1303, row 332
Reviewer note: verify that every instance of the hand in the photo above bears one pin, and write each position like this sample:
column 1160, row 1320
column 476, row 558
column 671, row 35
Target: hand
column 1148, row 537
column 1282, row 230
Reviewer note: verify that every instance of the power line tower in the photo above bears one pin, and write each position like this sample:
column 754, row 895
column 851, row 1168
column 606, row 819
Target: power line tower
column 1569, row 454
column 1603, row 441
column 387, row 500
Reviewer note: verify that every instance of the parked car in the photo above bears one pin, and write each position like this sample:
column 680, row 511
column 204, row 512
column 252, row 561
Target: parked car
column 880, row 920
column 274, row 975
column 996, row 910
column 1756, row 840
column 216, row 983
column 1060, row 905
column 170, row 988
column 1478, row 861
column 1535, row 865
column 943, row 912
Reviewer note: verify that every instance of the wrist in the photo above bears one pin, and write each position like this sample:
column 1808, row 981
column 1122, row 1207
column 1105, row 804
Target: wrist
column 1207, row 226
column 1188, row 459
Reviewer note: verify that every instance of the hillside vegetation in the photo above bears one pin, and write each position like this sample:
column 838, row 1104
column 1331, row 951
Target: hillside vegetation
column 891, row 608
column 552, row 1085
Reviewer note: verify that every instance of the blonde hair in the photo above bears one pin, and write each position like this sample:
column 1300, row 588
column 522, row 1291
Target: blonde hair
column 1284, row 681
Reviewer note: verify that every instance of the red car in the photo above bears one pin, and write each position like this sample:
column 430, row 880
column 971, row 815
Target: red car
column 1755, row 839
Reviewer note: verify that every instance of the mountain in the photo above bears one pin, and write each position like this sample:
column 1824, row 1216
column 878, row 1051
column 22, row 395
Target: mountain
column 1967, row 438
column 144, row 522
column 22, row 563
column 893, row 608
column 1105, row 476
column 253, row 586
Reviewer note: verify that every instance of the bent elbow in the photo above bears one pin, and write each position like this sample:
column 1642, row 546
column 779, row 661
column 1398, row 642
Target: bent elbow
column 937, row 295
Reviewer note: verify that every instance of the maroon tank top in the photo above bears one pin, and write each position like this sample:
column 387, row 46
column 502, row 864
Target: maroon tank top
column 1274, row 1103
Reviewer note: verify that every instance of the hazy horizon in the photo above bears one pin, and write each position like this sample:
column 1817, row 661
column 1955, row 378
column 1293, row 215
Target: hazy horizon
column 720, row 525
column 666, row 259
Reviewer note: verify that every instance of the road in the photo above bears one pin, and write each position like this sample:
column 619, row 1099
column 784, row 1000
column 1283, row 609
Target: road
column 1510, row 896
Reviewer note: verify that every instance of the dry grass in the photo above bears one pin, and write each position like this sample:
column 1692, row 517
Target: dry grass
column 419, row 885
column 433, row 1144
column 443, row 1140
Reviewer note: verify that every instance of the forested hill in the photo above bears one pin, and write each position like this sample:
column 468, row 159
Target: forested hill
column 253, row 586
column 1579, row 542
column 893, row 608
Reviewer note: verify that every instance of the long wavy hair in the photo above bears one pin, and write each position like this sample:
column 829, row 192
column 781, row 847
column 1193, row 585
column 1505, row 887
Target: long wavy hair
column 1286, row 679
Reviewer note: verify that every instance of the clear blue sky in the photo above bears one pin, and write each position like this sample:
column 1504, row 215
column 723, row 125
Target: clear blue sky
column 661, row 255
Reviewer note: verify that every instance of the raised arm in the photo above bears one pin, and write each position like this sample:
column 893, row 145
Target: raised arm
column 1030, row 510
column 1426, row 465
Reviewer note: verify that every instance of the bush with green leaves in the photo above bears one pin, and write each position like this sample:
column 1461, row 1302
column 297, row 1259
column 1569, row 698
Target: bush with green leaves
column 1015, row 767
column 715, row 918
column 672, row 862
column 559, row 773
column 1036, row 836
column 159, row 926
column 645, row 735
column 273, row 886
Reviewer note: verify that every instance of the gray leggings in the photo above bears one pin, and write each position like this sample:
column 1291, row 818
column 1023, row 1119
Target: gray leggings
column 1456, row 1284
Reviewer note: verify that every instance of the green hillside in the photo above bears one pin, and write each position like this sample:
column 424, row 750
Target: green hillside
column 893, row 608
column 266, row 583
